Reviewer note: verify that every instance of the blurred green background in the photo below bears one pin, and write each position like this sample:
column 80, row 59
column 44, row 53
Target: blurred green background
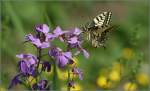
column 128, row 42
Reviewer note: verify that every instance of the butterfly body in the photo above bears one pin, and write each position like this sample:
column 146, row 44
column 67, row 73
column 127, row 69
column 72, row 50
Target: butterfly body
column 96, row 30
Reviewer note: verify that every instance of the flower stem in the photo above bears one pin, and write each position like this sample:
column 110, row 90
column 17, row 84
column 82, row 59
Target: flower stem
column 39, row 57
column 68, row 87
column 55, row 77
column 39, row 52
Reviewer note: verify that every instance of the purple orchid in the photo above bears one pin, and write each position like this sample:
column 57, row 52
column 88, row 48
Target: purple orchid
column 76, row 31
column 37, row 42
column 78, row 72
column 41, row 85
column 61, row 57
column 29, row 57
column 73, row 39
column 41, row 40
column 42, row 28
column 58, row 33
column 27, row 64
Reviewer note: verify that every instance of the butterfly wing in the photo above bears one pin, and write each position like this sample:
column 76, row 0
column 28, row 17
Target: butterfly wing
column 102, row 19
column 101, row 38
column 97, row 29
column 102, row 22
column 107, row 19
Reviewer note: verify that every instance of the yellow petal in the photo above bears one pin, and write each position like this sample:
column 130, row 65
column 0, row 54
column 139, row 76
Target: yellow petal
column 130, row 86
column 114, row 75
column 143, row 79
column 77, row 87
column 128, row 53
column 31, row 80
column 102, row 81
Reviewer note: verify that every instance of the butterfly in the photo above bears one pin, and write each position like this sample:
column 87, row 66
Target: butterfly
column 96, row 30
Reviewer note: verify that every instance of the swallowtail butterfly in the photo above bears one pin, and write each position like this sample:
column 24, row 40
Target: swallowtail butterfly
column 96, row 30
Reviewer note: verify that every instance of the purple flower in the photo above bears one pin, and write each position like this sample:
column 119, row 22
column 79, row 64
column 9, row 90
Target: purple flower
column 42, row 38
column 76, row 31
column 85, row 53
column 27, row 64
column 73, row 39
column 42, row 85
column 43, row 33
column 42, row 28
column 37, row 42
column 16, row 80
column 46, row 66
column 23, row 67
column 31, row 59
column 58, row 31
column 78, row 72
column 62, row 58
column 49, row 37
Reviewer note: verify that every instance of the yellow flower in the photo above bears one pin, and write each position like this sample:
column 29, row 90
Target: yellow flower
column 3, row 89
column 130, row 86
column 31, row 80
column 118, row 67
column 77, row 87
column 142, row 79
column 63, row 75
column 128, row 53
column 114, row 75
column 102, row 82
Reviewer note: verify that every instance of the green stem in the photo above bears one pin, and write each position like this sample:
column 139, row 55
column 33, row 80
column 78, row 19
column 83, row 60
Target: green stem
column 39, row 59
column 68, row 87
column 55, row 77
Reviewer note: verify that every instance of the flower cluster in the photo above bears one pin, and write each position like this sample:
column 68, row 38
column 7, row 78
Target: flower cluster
column 41, row 85
column 62, row 58
column 29, row 63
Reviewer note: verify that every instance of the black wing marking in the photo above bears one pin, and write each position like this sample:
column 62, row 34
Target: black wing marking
column 107, row 20
column 102, row 19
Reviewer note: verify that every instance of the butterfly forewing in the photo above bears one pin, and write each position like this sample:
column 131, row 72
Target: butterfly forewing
column 107, row 20
column 102, row 19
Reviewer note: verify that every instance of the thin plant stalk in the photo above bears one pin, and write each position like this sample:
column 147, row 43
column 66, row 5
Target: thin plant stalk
column 68, row 87
column 55, row 77
column 39, row 57
column 39, row 50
